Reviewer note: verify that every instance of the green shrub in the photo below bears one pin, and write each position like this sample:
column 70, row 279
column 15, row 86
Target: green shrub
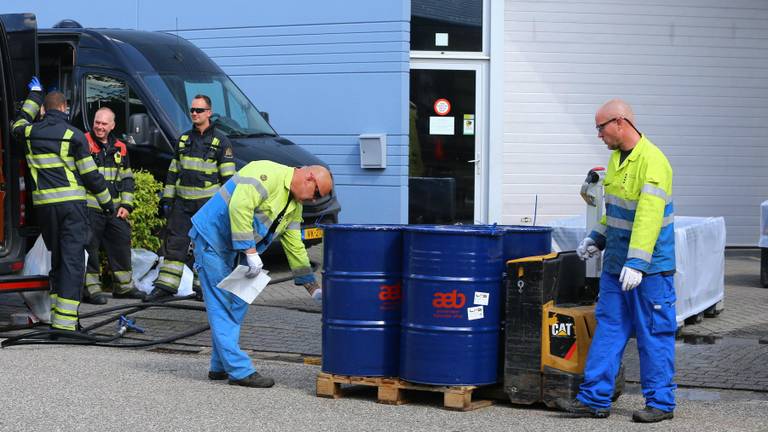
column 145, row 223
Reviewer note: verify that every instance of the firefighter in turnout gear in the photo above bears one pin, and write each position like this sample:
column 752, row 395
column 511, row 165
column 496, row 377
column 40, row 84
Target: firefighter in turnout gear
column 113, row 233
column 261, row 203
column 202, row 163
column 61, row 169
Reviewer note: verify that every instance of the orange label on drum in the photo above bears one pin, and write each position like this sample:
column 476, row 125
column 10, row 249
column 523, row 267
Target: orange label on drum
column 389, row 292
column 449, row 300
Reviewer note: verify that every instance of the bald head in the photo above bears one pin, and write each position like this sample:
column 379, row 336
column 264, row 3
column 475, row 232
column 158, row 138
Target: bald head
column 615, row 122
column 103, row 123
column 618, row 108
column 311, row 182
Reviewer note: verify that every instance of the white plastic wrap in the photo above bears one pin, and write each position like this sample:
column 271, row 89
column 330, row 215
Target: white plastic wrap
column 38, row 262
column 699, row 255
column 568, row 232
column 763, row 243
column 146, row 268
column 700, row 262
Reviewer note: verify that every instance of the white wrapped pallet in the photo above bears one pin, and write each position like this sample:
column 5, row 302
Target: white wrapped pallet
column 699, row 255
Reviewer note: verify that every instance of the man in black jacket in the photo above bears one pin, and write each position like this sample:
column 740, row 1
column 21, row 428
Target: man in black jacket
column 113, row 233
column 203, row 162
column 61, row 169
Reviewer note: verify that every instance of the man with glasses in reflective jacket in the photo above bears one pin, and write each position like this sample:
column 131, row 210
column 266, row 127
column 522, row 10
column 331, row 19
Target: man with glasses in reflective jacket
column 259, row 204
column 202, row 163
column 637, row 292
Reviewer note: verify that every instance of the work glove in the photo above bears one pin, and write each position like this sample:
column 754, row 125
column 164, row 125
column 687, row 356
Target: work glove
column 254, row 264
column 164, row 209
column 315, row 291
column 34, row 85
column 587, row 249
column 108, row 208
column 630, row 278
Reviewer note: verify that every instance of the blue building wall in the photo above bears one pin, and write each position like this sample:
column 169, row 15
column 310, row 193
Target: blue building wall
column 325, row 71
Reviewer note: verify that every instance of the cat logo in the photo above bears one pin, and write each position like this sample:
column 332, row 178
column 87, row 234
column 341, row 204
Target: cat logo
column 449, row 300
column 263, row 177
column 561, row 329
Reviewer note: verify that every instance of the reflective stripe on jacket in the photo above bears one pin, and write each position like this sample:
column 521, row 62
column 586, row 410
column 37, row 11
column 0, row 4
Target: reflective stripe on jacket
column 201, row 164
column 57, row 154
column 638, row 229
column 239, row 216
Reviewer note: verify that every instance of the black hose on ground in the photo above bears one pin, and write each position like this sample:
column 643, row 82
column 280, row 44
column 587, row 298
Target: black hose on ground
column 60, row 337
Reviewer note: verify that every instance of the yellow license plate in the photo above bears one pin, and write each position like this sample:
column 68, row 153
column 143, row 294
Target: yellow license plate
column 312, row 233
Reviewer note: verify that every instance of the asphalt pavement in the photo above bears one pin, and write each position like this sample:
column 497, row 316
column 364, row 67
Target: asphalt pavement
column 720, row 370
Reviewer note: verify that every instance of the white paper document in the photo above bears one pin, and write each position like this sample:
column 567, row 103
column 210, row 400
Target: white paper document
column 245, row 288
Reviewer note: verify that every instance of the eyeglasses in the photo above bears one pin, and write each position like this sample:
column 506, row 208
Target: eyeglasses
column 602, row 126
column 198, row 110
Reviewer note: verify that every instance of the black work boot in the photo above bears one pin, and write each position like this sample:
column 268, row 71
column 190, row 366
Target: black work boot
column 254, row 380
column 158, row 294
column 651, row 415
column 97, row 298
column 133, row 293
column 579, row 409
column 217, row 375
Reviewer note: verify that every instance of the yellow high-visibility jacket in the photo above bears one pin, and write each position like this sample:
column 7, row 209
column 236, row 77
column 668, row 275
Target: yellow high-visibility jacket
column 638, row 229
column 239, row 216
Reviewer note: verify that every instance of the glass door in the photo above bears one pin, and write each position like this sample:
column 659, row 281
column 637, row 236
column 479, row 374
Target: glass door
column 442, row 149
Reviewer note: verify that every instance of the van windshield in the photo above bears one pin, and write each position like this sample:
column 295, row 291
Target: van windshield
column 233, row 113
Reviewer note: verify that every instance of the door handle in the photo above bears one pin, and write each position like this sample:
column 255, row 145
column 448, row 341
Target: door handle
column 474, row 161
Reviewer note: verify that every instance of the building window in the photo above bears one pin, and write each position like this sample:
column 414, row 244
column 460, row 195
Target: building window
column 447, row 25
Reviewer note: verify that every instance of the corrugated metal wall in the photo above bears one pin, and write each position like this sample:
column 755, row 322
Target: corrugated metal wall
column 325, row 71
column 696, row 73
column 324, row 85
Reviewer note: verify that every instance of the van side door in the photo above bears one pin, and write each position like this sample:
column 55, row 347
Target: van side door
column 18, row 63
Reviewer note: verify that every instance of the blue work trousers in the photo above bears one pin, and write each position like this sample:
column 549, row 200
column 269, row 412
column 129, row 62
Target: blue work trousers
column 225, row 310
column 648, row 312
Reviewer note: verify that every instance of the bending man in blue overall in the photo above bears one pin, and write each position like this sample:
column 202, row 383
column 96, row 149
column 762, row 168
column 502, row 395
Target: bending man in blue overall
column 261, row 202
column 637, row 293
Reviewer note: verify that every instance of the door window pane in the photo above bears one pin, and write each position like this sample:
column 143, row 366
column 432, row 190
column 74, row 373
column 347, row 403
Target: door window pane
column 447, row 25
column 442, row 147
column 105, row 91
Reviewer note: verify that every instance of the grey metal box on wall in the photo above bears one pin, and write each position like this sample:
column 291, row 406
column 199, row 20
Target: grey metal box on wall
column 373, row 150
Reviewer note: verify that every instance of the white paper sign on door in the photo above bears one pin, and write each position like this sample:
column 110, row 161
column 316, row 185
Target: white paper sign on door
column 441, row 125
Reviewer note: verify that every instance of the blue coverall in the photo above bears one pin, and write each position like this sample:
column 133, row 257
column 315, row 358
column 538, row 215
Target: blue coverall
column 637, row 231
column 237, row 218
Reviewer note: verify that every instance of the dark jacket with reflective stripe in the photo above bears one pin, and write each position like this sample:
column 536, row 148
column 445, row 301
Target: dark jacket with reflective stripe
column 112, row 159
column 201, row 164
column 58, row 157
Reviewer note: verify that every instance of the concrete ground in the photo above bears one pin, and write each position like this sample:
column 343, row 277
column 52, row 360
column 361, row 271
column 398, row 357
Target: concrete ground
column 720, row 371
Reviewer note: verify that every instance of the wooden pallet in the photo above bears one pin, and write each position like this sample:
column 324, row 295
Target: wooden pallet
column 391, row 390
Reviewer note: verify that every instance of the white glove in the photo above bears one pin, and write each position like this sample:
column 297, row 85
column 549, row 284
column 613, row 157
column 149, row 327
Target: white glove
column 254, row 265
column 630, row 278
column 587, row 249
column 318, row 295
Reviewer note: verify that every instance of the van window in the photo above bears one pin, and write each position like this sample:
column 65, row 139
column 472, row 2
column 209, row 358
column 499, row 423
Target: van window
column 106, row 91
column 233, row 113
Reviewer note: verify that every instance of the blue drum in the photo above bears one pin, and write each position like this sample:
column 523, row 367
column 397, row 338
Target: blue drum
column 362, row 279
column 523, row 241
column 452, row 304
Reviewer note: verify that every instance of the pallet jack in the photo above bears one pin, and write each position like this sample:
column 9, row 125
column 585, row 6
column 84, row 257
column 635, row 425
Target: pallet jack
column 550, row 317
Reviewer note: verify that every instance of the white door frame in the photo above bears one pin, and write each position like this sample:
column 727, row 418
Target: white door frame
column 480, row 67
